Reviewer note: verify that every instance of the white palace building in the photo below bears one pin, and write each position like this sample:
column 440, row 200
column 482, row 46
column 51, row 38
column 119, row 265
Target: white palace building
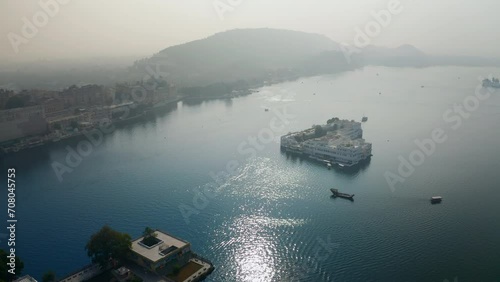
column 339, row 142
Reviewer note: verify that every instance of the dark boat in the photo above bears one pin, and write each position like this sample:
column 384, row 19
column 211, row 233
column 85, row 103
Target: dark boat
column 336, row 193
column 436, row 199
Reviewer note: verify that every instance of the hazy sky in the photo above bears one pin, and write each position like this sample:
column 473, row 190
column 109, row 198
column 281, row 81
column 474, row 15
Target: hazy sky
column 89, row 28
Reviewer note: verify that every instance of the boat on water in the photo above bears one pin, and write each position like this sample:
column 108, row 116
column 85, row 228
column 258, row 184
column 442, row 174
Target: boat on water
column 345, row 165
column 493, row 82
column 436, row 199
column 336, row 193
column 34, row 144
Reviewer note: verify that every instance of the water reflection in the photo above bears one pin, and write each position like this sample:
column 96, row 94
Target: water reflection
column 27, row 159
column 267, row 179
column 252, row 242
column 348, row 171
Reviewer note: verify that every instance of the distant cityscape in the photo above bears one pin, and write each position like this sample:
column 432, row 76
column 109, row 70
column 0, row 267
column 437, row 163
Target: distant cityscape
column 32, row 118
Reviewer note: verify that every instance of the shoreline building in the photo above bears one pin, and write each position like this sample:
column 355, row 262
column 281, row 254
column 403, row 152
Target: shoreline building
column 22, row 122
column 167, row 255
column 158, row 256
column 339, row 141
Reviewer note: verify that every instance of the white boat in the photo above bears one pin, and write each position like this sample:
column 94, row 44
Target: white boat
column 436, row 199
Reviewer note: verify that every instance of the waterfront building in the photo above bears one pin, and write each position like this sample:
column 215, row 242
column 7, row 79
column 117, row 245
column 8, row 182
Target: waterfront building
column 338, row 149
column 22, row 122
column 168, row 250
column 4, row 97
column 87, row 95
column 53, row 106
column 100, row 114
column 83, row 274
column 339, row 141
column 63, row 122
column 167, row 255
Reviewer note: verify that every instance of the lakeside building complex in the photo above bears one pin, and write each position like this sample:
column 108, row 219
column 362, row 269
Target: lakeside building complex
column 21, row 122
column 339, row 142
column 159, row 257
column 32, row 118
column 170, row 258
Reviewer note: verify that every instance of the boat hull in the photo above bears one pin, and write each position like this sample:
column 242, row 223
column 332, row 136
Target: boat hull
column 336, row 193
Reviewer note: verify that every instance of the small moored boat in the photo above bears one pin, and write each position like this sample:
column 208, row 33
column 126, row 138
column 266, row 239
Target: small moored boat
column 336, row 193
column 436, row 199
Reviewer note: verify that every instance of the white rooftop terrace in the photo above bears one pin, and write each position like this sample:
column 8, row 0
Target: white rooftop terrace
column 25, row 278
column 153, row 253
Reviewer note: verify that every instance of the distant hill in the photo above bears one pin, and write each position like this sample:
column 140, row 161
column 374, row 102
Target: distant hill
column 239, row 54
column 230, row 60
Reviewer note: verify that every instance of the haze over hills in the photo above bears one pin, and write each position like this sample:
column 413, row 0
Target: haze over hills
column 250, row 56
column 238, row 54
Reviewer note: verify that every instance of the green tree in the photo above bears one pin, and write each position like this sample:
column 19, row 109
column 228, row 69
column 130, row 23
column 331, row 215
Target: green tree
column 108, row 244
column 318, row 131
column 5, row 275
column 176, row 269
column 15, row 101
column 74, row 124
column 149, row 232
column 49, row 276
column 149, row 236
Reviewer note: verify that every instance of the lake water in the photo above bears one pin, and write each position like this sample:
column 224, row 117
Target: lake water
column 273, row 219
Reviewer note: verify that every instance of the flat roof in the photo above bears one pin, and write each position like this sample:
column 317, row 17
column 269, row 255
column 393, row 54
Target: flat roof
column 153, row 254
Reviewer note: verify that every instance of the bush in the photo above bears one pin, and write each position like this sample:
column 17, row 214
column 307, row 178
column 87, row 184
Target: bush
column 176, row 269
